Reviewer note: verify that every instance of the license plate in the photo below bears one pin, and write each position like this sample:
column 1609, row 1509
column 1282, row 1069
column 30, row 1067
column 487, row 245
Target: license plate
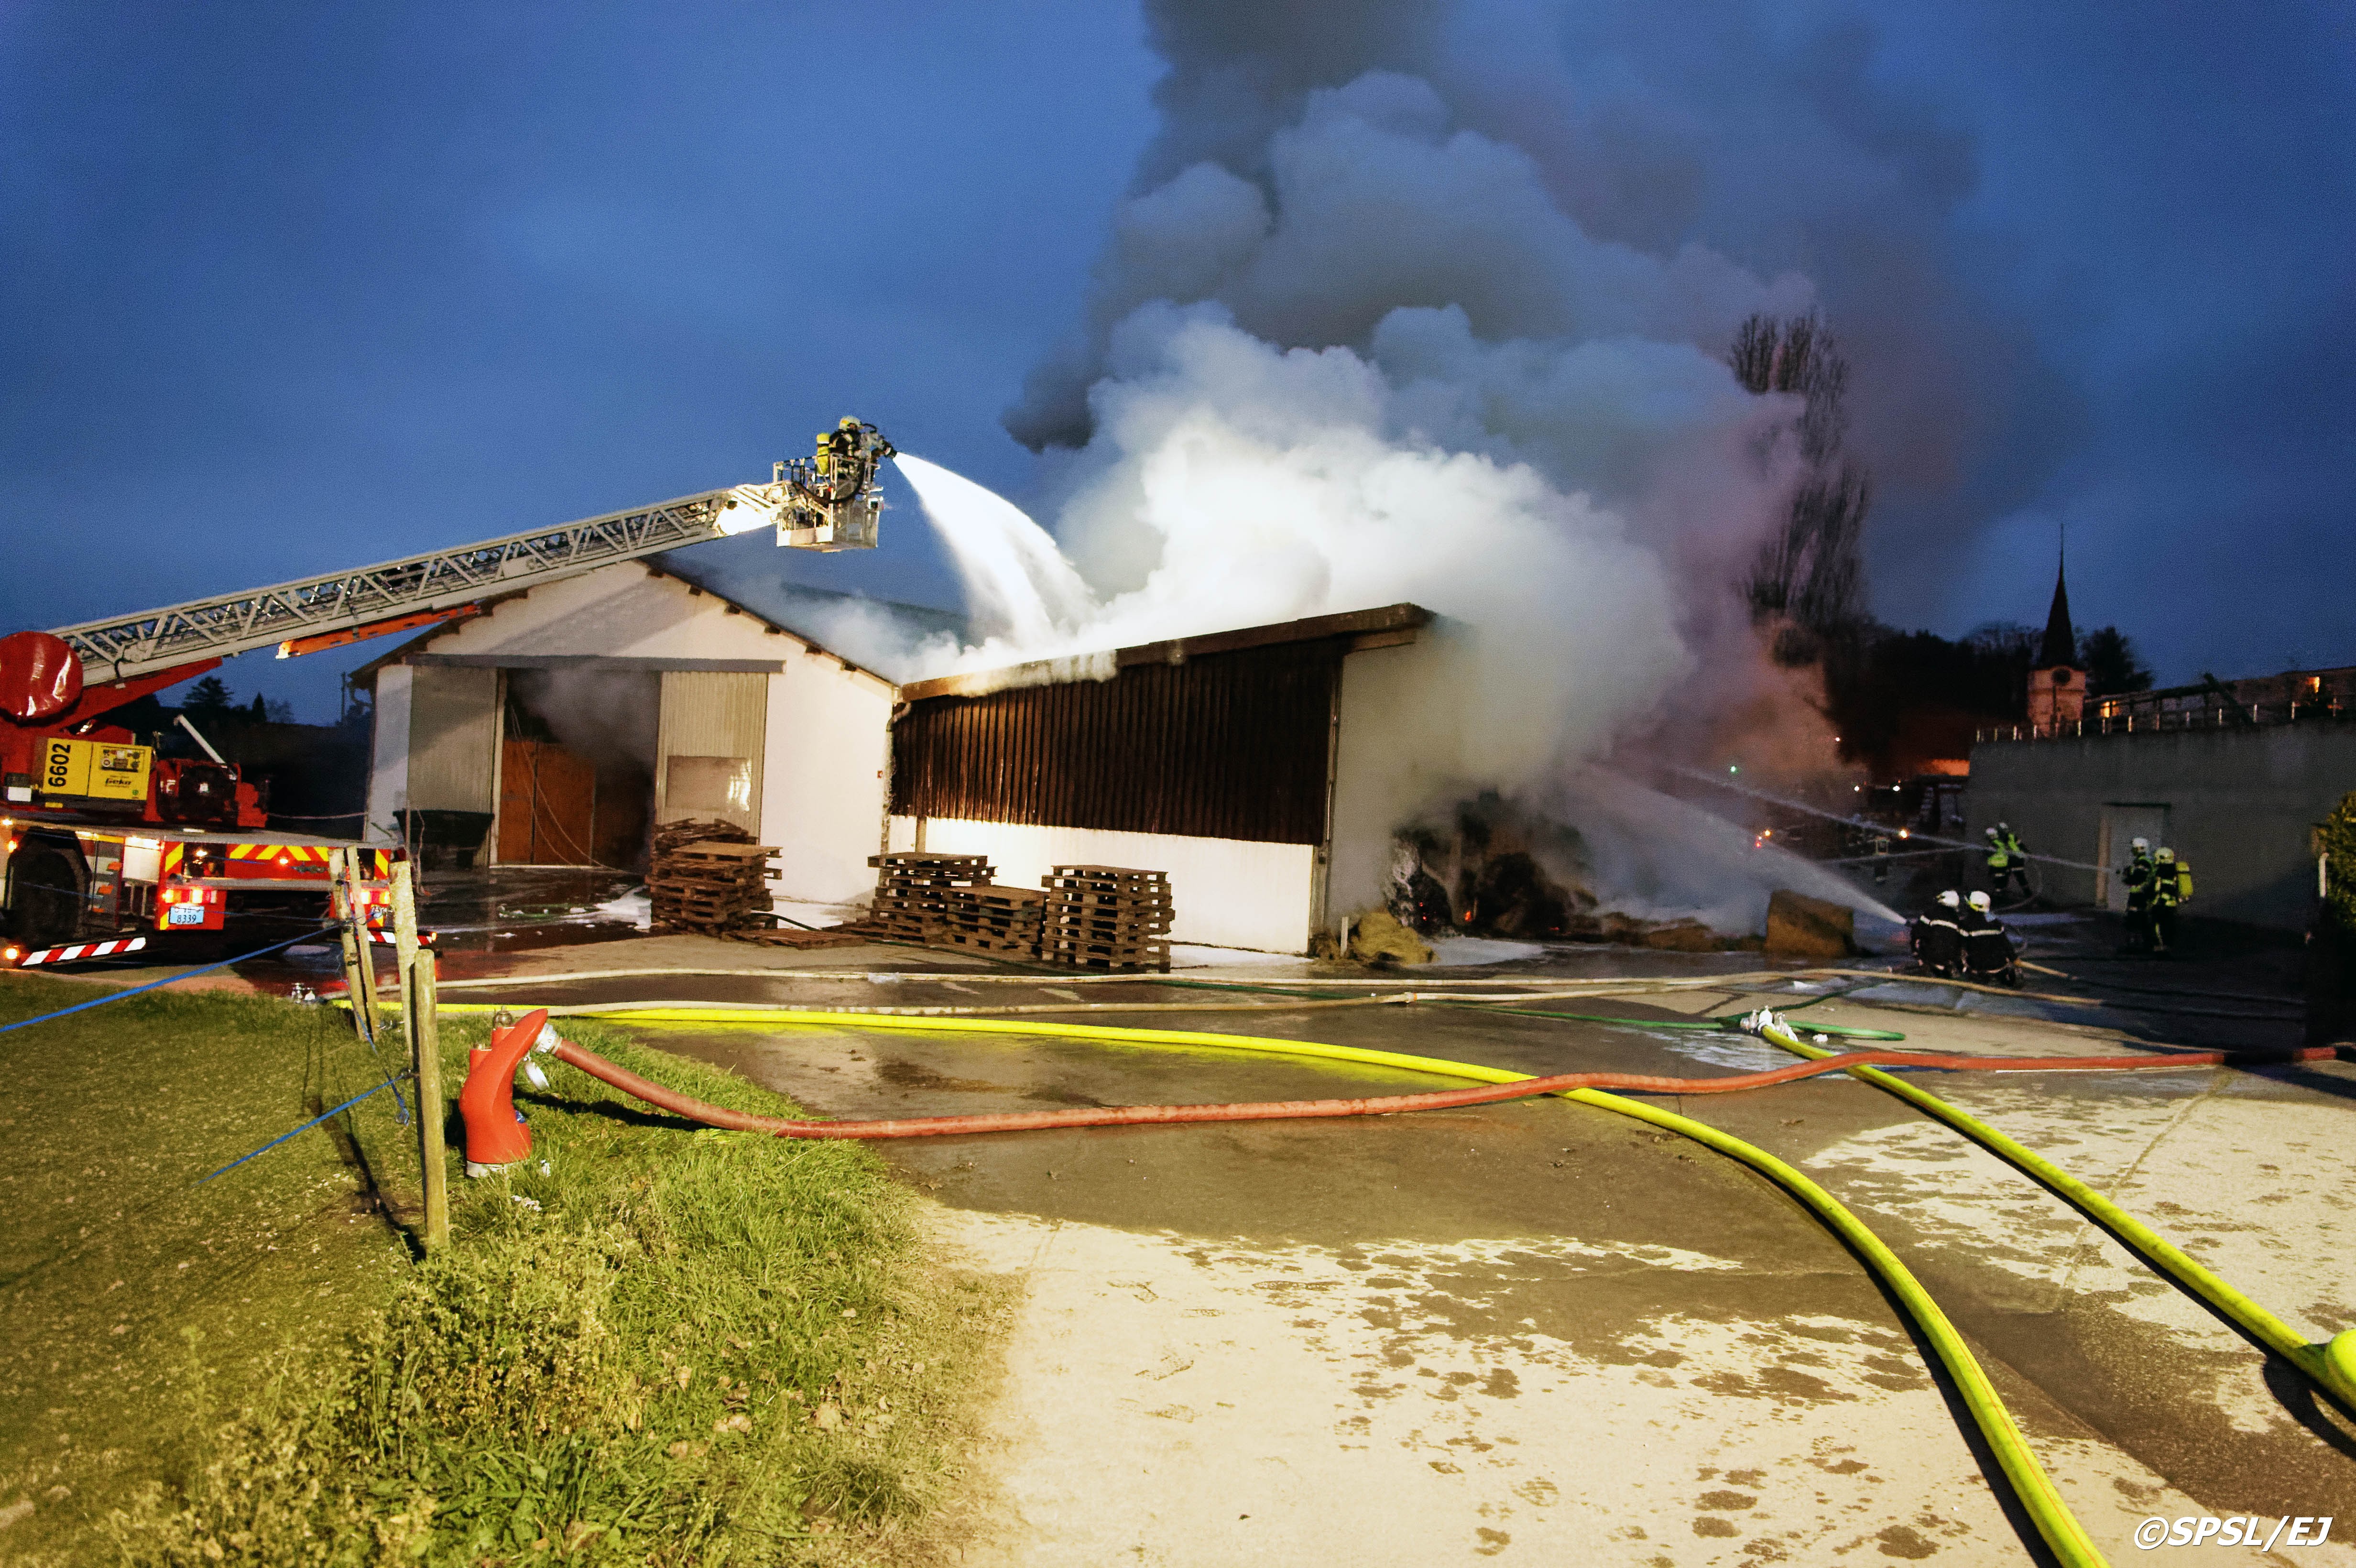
column 185, row 914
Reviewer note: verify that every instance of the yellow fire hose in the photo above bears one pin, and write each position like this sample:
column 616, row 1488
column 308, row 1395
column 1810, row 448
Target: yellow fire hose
column 2330, row 1365
column 2054, row 1522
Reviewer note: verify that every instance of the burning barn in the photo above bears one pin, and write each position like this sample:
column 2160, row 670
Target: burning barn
column 1248, row 765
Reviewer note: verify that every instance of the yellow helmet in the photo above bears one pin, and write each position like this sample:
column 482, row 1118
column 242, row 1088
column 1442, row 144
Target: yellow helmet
column 2165, row 854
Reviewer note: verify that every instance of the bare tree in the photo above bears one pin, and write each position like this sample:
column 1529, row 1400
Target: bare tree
column 1809, row 576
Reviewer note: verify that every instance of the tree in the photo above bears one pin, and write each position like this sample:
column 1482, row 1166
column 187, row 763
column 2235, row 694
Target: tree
column 1809, row 576
column 208, row 699
column 2111, row 663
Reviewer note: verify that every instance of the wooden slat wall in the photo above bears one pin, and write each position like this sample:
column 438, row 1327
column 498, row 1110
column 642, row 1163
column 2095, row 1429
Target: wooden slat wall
column 1224, row 746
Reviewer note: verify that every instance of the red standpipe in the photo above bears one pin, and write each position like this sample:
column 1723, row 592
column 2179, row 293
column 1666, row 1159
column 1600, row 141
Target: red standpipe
column 496, row 1136
column 671, row 1100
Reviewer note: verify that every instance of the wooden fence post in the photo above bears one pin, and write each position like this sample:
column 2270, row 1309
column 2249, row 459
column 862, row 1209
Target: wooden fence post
column 359, row 971
column 421, row 1009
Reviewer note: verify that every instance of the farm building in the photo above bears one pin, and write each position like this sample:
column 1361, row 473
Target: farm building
column 559, row 726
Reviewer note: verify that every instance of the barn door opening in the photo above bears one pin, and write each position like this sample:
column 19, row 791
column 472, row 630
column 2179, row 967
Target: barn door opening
column 576, row 767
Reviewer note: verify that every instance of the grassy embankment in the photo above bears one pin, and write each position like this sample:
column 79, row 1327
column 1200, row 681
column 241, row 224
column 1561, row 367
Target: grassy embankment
column 672, row 1346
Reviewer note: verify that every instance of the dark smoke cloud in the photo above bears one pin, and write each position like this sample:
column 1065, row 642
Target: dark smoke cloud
column 1719, row 131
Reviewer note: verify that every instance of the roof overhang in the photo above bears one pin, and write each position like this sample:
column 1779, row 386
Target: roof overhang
column 1387, row 626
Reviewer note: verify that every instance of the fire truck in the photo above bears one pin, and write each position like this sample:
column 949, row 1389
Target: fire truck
column 108, row 848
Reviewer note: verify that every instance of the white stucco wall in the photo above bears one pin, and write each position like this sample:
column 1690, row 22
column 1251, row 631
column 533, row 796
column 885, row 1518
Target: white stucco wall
column 825, row 786
column 388, row 789
column 619, row 612
column 1224, row 893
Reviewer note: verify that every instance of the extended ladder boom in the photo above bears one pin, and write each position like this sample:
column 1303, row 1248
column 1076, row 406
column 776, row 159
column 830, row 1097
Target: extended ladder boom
column 237, row 622
column 828, row 502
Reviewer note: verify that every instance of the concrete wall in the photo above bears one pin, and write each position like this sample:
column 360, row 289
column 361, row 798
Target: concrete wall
column 1224, row 893
column 2239, row 806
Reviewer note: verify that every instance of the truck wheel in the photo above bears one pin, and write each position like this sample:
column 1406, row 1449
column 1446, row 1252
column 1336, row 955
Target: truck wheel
column 45, row 898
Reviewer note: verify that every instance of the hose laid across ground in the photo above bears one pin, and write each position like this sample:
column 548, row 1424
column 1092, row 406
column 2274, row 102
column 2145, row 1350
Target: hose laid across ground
column 2061, row 1531
column 2329, row 1365
column 2333, row 1365
column 1514, row 1088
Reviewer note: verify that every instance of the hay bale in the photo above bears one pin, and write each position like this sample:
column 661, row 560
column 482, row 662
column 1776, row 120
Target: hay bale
column 1801, row 927
column 1378, row 938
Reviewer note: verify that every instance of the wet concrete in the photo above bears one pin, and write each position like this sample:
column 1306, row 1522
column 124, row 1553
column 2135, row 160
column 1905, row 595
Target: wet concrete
column 1541, row 1331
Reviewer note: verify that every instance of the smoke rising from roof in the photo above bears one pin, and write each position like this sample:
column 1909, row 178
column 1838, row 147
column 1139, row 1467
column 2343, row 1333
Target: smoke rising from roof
column 1356, row 338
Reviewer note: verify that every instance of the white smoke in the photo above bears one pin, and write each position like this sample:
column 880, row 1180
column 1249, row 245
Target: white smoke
column 1388, row 368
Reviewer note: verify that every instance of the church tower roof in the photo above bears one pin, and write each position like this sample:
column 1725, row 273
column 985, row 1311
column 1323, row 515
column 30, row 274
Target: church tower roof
column 2061, row 645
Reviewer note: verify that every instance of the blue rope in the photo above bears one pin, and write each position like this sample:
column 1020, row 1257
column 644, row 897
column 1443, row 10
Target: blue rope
column 305, row 1128
column 119, row 996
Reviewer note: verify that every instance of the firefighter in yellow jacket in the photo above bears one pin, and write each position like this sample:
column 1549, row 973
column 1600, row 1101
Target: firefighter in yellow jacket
column 2171, row 890
column 2006, row 860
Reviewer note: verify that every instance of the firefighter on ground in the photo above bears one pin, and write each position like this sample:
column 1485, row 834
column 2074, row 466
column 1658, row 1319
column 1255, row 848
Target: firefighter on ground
column 2006, row 859
column 2138, row 874
column 2171, row 890
column 1988, row 947
column 1937, row 938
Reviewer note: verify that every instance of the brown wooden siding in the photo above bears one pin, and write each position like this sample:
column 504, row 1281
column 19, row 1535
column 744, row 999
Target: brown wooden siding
column 1225, row 746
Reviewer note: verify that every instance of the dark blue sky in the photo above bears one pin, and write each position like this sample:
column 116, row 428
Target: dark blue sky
column 291, row 288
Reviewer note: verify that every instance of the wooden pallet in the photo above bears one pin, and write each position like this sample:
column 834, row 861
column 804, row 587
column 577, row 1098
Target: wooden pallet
column 1106, row 917
column 707, row 878
column 913, row 889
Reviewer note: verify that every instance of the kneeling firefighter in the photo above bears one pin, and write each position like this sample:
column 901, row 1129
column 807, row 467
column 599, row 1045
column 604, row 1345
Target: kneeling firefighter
column 1937, row 938
column 1989, row 952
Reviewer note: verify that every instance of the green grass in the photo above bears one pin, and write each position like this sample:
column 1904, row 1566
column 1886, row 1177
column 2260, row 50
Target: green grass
column 670, row 1346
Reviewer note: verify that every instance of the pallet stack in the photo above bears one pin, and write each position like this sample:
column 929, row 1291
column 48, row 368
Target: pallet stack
column 707, row 879
column 913, row 888
column 991, row 919
column 1107, row 917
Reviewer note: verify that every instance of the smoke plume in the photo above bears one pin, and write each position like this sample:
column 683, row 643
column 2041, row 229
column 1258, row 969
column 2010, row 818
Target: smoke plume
column 1395, row 314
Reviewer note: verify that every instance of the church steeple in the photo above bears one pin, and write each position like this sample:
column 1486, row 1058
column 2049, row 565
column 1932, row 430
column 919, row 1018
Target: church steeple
column 2056, row 687
column 2061, row 645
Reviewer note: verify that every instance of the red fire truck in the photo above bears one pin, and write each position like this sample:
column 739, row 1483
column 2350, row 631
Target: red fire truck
column 106, row 847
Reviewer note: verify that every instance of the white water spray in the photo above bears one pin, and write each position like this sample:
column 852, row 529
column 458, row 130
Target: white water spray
column 1018, row 585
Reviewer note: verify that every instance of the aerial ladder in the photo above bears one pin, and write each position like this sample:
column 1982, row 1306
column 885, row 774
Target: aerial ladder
column 107, row 849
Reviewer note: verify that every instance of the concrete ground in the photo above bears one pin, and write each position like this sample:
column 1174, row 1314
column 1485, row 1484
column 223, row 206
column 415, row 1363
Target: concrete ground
column 1541, row 1332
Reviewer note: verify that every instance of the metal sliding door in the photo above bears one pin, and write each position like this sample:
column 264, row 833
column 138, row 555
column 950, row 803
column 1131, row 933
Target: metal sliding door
column 708, row 752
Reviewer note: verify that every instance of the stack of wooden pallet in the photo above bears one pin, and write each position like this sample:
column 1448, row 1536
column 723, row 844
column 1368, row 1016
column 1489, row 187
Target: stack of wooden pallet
column 1107, row 917
column 991, row 919
column 709, row 885
column 913, row 888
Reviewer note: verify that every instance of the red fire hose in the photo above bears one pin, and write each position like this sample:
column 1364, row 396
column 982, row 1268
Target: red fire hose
column 654, row 1094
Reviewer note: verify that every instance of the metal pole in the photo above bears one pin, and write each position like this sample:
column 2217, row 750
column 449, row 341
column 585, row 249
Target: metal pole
column 418, row 994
